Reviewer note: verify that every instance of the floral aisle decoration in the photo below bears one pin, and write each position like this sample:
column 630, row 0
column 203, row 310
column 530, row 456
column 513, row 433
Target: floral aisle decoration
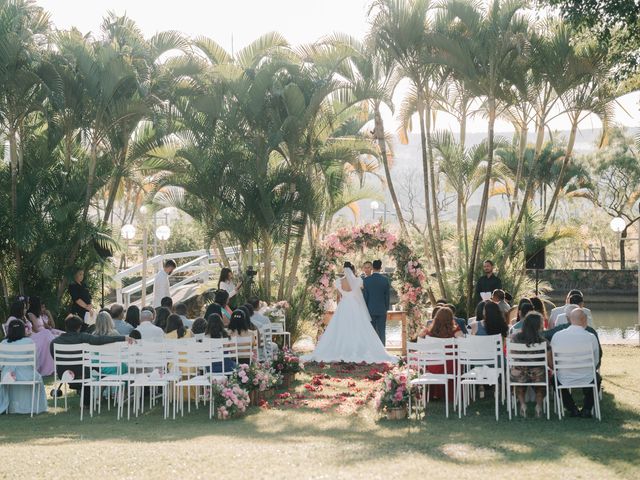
column 230, row 400
column 287, row 364
column 408, row 280
column 277, row 311
column 393, row 396
column 259, row 379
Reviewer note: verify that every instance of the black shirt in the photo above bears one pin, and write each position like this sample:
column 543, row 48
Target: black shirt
column 81, row 292
column 487, row 284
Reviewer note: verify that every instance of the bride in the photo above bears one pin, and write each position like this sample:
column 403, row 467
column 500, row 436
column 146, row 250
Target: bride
column 350, row 337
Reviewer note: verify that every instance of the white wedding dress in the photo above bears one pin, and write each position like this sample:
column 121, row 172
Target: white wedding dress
column 350, row 337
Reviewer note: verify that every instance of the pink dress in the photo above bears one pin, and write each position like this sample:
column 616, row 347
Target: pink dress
column 42, row 337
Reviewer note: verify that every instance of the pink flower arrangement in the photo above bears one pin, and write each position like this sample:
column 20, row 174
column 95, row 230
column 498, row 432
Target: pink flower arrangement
column 230, row 399
column 394, row 389
column 257, row 376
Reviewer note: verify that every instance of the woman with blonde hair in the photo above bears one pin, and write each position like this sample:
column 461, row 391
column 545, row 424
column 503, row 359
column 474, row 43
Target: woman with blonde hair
column 104, row 325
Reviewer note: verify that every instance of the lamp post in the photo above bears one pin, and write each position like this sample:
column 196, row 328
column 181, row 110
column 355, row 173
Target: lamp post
column 163, row 232
column 374, row 206
column 618, row 225
column 128, row 232
column 143, row 212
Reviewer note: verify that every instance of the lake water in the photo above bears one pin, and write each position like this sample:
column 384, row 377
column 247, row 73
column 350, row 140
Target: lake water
column 613, row 326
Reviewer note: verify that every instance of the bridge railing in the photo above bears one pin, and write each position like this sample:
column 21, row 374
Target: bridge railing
column 198, row 269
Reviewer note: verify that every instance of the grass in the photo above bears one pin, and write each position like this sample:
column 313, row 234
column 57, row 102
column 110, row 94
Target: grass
column 333, row 432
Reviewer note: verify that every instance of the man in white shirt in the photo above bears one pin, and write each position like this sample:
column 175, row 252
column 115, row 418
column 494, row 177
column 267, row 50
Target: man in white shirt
column 572, row 296
column 576, row 336
column 148, row 331
column 161, row 283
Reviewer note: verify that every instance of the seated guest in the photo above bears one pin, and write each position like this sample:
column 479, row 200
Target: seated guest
column 248, row 311
column 215, row 329
column 220, row 306
column 41, row 336
column 135, row 334
column 199, row 328
column 508, row 298
column 148, row 331
column 240, row 326
column 17, row 398
column 493, row 321
column 73, row 336
column 133, row 316
column 162, row 315
column 181, row 309
column 117, row 315
column 553, row 316
column 167, row 302
column 539, row 306
column 257, row 318
column 149, row 308
column 575, row 301
column 105, row 326
column 576, row 335
column 175, row 328
column 40, row 317
column 524, row 307
column 498, row 297
column 443, row 326
column 462, row 324
column 549, row 334
column 529, row 334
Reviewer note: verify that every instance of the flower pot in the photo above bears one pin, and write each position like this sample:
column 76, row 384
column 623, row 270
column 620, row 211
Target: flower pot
column 286, row 380
column 254, row 398
column 269, row 393
column 399, row 413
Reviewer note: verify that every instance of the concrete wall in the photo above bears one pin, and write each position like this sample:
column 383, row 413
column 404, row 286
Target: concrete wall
column 598, row 286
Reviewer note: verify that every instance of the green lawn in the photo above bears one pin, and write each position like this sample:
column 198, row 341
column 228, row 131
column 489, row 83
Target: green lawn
column 334, row 433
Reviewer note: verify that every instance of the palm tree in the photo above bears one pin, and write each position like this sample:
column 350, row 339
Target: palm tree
column 485, row 48
column 400, row 28
column 372, row 78
column 25, row 77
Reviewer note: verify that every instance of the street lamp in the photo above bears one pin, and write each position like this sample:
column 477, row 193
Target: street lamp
column 128, row 232
column 163, row 232
column 374, row 206
column 617, row 224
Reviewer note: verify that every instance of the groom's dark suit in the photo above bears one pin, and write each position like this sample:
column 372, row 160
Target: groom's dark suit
column 376, row 294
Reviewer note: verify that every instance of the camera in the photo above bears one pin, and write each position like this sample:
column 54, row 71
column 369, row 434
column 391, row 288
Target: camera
column 250, row 272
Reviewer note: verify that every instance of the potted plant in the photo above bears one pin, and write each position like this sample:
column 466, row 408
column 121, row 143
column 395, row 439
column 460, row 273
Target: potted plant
column 230, row 400
column 287, row 364
column 257, row 379
column 393, row 396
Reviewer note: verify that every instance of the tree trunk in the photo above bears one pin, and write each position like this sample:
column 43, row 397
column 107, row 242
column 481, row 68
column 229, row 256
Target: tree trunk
column 425, row 171
column 434, row 199
column 13, row 153
column 266, row 260
column 565, row 164
column 285, row 258
column 479, row 230
column 516, row 187
column 113, row 193
column 220, row 247
column 459, row 228
column 623, row 236
column 382, row 145
column 293, row 273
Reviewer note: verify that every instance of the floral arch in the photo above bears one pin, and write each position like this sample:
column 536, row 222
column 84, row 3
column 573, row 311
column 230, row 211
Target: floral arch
column 407, row 280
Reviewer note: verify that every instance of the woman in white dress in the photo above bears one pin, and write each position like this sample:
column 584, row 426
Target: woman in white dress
column 350, row 336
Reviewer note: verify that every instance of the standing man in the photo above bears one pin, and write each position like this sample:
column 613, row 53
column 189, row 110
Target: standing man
column 487, row 283
column 377, row 296
column 161, row 283
column 367, row 268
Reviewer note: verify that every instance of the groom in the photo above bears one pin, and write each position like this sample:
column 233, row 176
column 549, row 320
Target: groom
column 376, row 295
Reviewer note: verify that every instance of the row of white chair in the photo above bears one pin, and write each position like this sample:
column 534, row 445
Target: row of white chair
column 16, row 357
column 171, row 366
column 478, row 360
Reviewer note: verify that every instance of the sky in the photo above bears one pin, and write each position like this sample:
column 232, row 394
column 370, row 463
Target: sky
column 235, row 23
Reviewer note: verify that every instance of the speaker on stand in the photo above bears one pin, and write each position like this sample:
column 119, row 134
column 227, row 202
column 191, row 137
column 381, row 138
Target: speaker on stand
column 535, row 260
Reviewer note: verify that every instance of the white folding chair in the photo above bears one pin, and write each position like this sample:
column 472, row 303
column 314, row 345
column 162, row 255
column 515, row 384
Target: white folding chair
column 16, row 356
column 104, row 362
column 148, row 368
column 479, row 363
column 244, row 347
column 194, row 360
column 575, row 358
column 433, row 352
column 520, row 355
column 66, row 356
